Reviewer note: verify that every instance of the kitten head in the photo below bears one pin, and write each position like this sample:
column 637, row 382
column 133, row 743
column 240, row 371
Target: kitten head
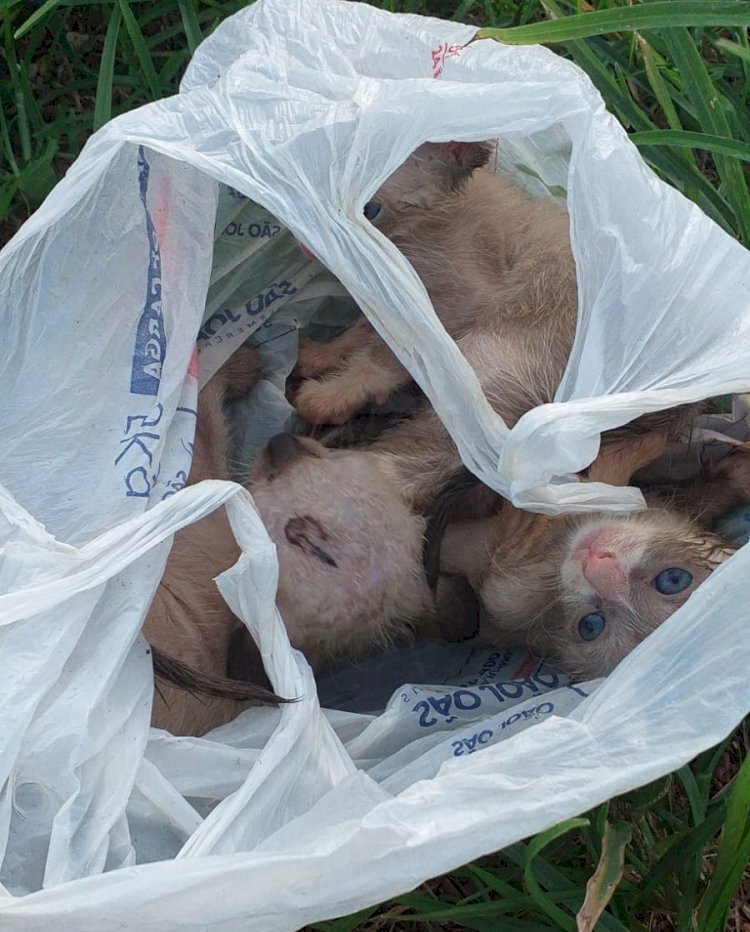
column 349, row 547
column 432, row 173
column 620, row 578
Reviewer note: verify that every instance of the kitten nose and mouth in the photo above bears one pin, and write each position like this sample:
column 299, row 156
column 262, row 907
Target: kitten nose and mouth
column 596, row 556
column 604, row 573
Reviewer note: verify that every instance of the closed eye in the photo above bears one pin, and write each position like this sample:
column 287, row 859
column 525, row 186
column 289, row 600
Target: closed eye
column 372, row 209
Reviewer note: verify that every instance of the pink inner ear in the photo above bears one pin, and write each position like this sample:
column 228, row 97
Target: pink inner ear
column 461, row 151
column 305, row 531
column 469, row 155
column 462, row 155
column 310, row 536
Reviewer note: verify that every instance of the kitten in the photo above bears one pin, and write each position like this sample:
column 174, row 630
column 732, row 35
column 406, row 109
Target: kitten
column 349, row 546
column 349, row 542
column 189, row 625
column 349, row 532
column 499, row 271
column 350, row 571
column 589, row 589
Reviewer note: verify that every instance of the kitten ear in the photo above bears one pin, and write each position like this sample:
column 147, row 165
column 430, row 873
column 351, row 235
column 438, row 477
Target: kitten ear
column 457, row 159
column 468, row 156
column 310, row 536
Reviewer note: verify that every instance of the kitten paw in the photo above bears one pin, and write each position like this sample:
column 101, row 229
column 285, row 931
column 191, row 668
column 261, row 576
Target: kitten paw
column 314, row 359
column 321, row 402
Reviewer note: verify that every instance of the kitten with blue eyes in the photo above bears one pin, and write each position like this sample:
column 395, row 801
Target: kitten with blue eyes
column 588, row 589
column 619, row 580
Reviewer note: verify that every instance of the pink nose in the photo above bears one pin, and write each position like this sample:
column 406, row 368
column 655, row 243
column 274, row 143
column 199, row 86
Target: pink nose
column 605, row 574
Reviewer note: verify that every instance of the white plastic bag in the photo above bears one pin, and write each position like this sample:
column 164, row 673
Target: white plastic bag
column 305, row 109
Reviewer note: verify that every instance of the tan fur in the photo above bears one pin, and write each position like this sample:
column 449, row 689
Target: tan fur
column 498, row 268
column 348, row 524
column 338, row 501
column 188, row 618
column 374, row 584
column 528, row 572
column 501, row 276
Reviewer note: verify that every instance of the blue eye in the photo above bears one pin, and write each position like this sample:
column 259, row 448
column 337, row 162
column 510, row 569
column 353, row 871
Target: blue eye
column 672, row 581
column 591, row 626
column 372, row 209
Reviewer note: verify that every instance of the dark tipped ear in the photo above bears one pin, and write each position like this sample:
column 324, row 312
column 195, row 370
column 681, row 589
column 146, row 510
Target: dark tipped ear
column 467, row 157
column 470, row 155
column 458, row 159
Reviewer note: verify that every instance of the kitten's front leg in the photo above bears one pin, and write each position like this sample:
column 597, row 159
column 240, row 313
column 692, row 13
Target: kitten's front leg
column 371, row 374
column 315, row 359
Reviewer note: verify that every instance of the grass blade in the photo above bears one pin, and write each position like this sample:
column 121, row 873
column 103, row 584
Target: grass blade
column 697, row 808
column 564, row 920
column 679, row 171
column 346, row 923
column 664, row 14
column 738, row 811
column 190, row 24
column 714, row 919
column 139, row 46
column 508, row 925
column 38, row 177
column 646, row 797
column 682, row 849
column 491, row 881
column 103, row 105
column 706, row 763
column 724, row 145
column 708, row 106
column 7, row 145
column 8, row 191
column 35, row 17
column 658, row 85
column 18, row 92
column 606, row 877
column 553, row 878
column 733, row 48
column 734, row 849
column 460, row 913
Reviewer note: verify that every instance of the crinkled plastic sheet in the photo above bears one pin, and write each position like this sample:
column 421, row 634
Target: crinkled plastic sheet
column 305, row 109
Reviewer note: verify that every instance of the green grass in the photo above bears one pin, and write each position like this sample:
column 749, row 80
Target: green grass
column 683, row 91
column 677, row 75
column 672, row 853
